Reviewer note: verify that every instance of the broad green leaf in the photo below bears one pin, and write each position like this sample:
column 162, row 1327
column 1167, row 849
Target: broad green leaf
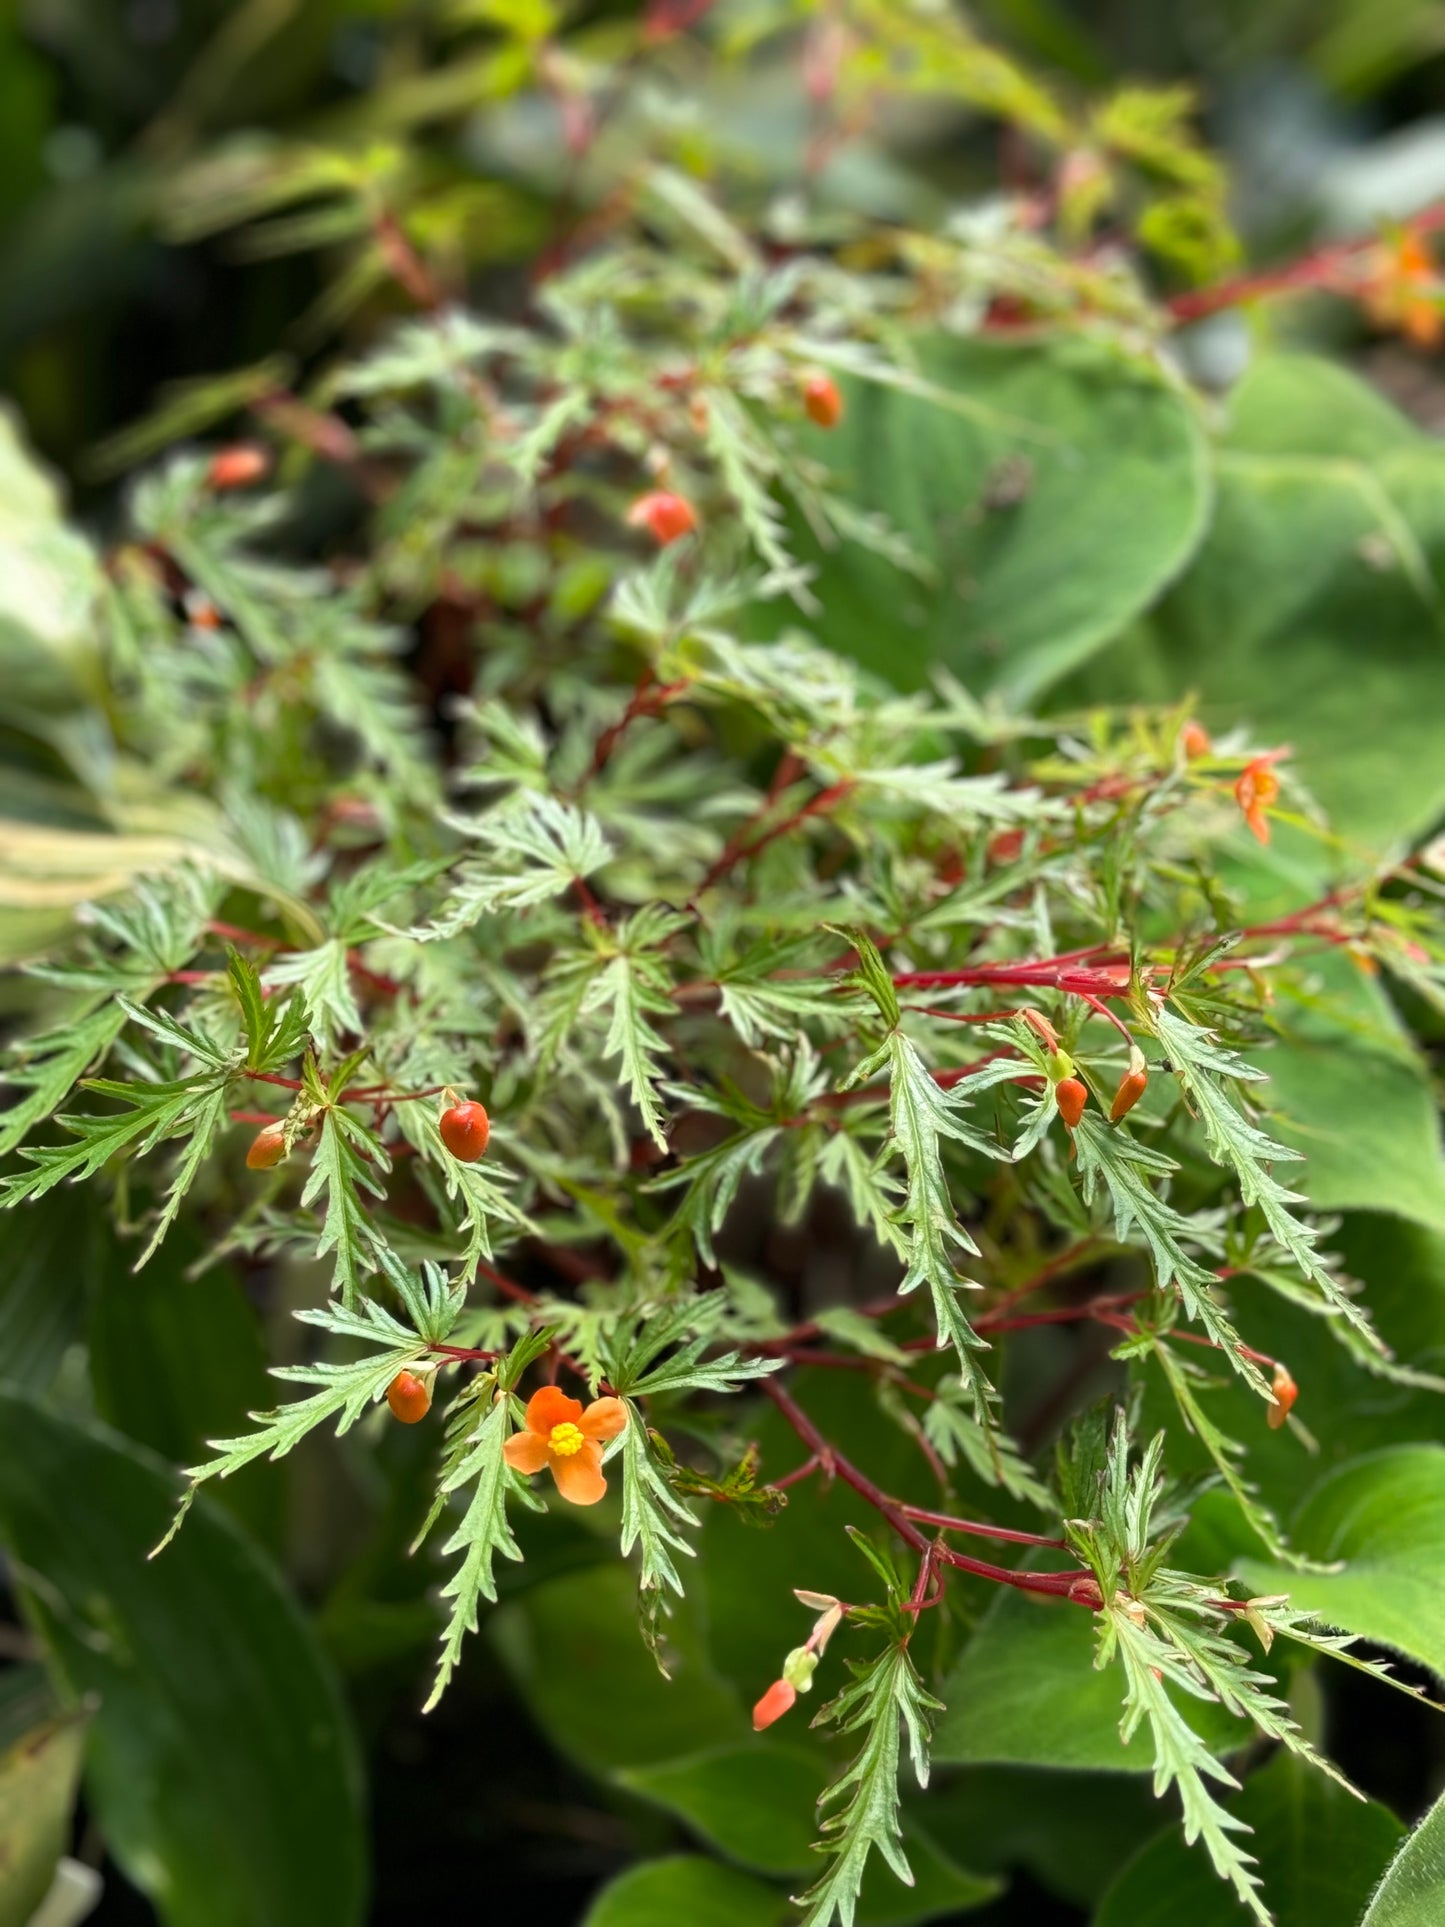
column 1049, row 518
column 572, row 1647
column 1350, row 1091
column 39, row 1774
column 175, row 1362
column 752, row 1798
column 1384, row 1516
column 1025, row 1692
column 50, row 1251
column 1319, row 1850
column 688, row 1888
column 1312, row 610
column 1412, row 1894
column 221, row 1763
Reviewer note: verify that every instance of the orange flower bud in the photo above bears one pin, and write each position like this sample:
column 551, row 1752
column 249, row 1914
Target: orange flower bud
column 237, row 467
column 465, row 1130
column 1071, row 1096
column 1285, row 1393
column 1131, row 1088
column 775, row 1702
column 1257, row 787
column 822, row 403
column 409, row 1398
column 1195, row 741
column 665, row 516
column 268, row 1147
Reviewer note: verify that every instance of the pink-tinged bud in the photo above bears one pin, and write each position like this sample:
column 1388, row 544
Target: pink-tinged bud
column 775, row 1702
column 665, row 516
column 1285, row 1393
column 1195, row 741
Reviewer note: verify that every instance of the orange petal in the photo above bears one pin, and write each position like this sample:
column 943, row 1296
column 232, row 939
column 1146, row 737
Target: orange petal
column 1255, row 817
column 579, row 1477
column 525, row 1452
column 604, row 1418
column 551, row 1407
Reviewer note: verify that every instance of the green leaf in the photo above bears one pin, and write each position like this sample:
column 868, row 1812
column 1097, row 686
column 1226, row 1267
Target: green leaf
column 1050, row 522
column 1328, row 527
column 571, row 1646
column 1026, row 1693
column 151, row 1113
column 686, row 1887
column 175, row 1360
column 1412, row 1894
column 1319, row 1850
column 1384, row 1516
column 39, row 1776
column 484, row 1534
column 263, row 1831
column 59, row 1246
column 752, row 1799
column 1351, row 1093
column 884, row 1698
column 342, row 1170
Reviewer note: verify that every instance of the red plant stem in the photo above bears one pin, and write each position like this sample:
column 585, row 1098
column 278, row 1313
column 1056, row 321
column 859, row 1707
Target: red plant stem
column 946, row 1522
column 464, row 1353
column 1319, row 269
column 254, row 1117
column 738, row 849
column 648, row 699
column 1078, row 1585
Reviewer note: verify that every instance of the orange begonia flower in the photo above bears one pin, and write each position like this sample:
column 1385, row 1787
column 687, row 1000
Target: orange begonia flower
column 559, row 1433
column 1404, row 291
column 1258, row 786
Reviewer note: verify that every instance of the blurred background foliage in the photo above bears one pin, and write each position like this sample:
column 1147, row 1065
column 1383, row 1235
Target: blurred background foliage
column 201, row 201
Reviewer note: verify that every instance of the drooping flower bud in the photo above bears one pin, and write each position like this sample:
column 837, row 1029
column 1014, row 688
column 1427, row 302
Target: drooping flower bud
column 1131, row 1086
column 237, row 467
column 1194, row 740
column 465, row 1130
column 268, row 1147
column 1071, row 1096
column 775, row 1702
column 665, row 516
column 409, row 1397
column 822, row 403
column 1285, row 1393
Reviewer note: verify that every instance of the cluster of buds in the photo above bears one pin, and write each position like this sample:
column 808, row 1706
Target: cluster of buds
column 801, row 1664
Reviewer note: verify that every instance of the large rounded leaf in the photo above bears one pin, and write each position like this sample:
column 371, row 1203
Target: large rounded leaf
column 685, row 1887
column 1384, row 1516
column 1313, row 610
column 1319, row 1850
column 1412, row 1894
column 1049, row 516
column 221, row 1762
column 1025, row 1692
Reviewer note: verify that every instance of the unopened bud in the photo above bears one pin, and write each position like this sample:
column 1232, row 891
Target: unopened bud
column 799, row 1668
column 1285, row 1393
column 1132, row 1086
column 775, row 1702
column 1071, row 1096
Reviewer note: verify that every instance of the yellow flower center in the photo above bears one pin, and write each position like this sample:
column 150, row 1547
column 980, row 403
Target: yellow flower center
column 565, row 1440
